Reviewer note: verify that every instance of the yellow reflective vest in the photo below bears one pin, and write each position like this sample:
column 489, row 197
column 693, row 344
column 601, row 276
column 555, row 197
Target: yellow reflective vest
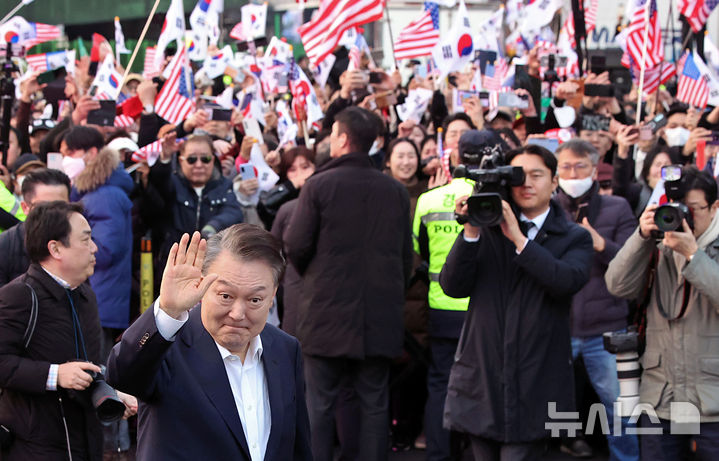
column 436, row 229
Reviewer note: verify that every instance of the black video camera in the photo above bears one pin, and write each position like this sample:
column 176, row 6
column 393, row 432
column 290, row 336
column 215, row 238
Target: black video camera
column 493, row 180
column 669, row 217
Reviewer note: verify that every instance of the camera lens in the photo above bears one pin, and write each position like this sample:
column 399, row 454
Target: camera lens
column 485, row 209
column 668, row 218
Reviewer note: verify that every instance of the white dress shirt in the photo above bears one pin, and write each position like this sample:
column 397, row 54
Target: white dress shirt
column 247, row 381
column 538, row 222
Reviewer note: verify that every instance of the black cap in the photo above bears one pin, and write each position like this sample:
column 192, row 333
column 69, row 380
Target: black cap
column 476, row 144
column 25, row 161
column 41, row 124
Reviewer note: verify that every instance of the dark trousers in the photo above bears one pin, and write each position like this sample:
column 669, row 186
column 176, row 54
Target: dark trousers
column 492, row 450
column 438, row 438
column 370, row 378
column 677, row 447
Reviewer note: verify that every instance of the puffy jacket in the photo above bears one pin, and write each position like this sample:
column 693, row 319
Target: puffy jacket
column 104, row 187
column 217, row 207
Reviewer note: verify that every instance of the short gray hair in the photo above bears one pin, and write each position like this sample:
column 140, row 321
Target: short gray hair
column 580, row 148
column 250, row 243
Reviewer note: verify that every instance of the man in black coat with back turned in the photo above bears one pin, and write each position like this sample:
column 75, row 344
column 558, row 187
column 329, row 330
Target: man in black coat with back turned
column 514, row 356
column 349, row 238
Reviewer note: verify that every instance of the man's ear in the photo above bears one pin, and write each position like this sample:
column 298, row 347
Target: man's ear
column 53, row 247
column 25, row 207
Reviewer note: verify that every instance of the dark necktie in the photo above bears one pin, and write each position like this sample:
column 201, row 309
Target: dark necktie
column 525, row 226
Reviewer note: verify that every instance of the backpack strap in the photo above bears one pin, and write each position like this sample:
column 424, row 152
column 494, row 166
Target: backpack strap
column 30, row 329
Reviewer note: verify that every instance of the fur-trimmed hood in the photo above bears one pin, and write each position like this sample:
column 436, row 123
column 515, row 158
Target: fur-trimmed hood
column 103, row 169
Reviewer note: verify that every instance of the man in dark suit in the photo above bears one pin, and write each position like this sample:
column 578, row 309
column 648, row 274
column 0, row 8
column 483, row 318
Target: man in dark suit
column 350, row 239
column 514, row 358
column 214, row 381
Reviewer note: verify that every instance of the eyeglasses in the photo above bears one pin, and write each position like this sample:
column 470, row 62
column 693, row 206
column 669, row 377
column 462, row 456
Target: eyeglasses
column 203, row 158
column 697, row 208
column 576, row 167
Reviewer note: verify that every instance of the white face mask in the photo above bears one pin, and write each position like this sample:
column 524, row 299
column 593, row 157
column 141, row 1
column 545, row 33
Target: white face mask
column 72, row 166
column 676, row 136
column 576, row 187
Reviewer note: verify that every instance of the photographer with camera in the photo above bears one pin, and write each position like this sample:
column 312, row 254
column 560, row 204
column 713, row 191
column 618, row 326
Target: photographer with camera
column 50, row 344
column 514, row 357
column 680, row 274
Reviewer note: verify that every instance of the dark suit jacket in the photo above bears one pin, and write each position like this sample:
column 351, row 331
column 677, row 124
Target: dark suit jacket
column 187, row 410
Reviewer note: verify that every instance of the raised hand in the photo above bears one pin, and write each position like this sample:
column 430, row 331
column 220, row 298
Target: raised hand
column 183, row 285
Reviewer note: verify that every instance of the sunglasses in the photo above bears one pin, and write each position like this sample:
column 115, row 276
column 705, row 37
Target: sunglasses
column 193, row 158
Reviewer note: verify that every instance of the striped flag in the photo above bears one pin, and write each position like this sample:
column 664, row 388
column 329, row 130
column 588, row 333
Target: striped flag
column 494, row 75
column 43, row 33
column 54, row 60
column 123, row 121
column 590, row 22
column 150, row 69
column 693, row 88
column 148, row 153
column 635, row 34
column 656, row 76
column 697, row 12
column 355, row 58
column 420, row 36
column 175, row 102
column 321, row 34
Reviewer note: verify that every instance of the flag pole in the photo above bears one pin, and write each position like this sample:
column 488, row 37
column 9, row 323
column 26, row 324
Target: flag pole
column 14, row 10
column 643, row 65
column 391, row 38
column 139, row 41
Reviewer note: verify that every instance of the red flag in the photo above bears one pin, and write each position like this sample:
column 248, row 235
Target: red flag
column 321, row 35
column 97, row 41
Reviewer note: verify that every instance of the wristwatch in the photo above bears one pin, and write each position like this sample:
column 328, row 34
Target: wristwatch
column 148, row 109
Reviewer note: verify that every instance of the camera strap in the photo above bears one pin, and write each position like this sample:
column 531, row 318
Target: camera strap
column 77, row 328
column 30, row 329
column 685, row 301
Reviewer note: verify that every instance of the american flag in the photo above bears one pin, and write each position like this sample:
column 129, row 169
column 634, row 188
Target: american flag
column 150, row 69
column 693, row 88
column 123, row 121
column 635, row 34
column 355, row 58
column 38, row 62
column 493, row 81
column 175, row 101
column 321, row 34
column 420, row 36
column 43, row 33
column 697, row 12
column 148, row 153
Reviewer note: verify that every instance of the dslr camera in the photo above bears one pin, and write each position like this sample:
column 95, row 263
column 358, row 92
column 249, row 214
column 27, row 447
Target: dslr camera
column 492, row 182
column 669, row 217
column 102, row 397
column 625, row 345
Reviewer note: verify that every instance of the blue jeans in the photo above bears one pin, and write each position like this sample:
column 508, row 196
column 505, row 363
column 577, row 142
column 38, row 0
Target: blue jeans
column 668, row 447
column 601, row 368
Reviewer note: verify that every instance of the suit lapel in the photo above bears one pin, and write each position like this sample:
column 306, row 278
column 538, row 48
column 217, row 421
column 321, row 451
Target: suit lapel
column 206, row 362
column 273, row 375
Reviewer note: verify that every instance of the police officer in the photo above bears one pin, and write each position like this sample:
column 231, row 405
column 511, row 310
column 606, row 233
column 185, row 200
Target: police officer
column 434, row 231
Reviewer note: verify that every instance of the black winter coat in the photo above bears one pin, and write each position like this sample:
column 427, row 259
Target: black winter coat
column 14, row 260
column 217, row 207
column 350, row 239
column 30, row 411
column 514, row 354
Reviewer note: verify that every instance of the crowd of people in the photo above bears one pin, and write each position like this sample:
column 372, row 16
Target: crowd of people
column 424, row 317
